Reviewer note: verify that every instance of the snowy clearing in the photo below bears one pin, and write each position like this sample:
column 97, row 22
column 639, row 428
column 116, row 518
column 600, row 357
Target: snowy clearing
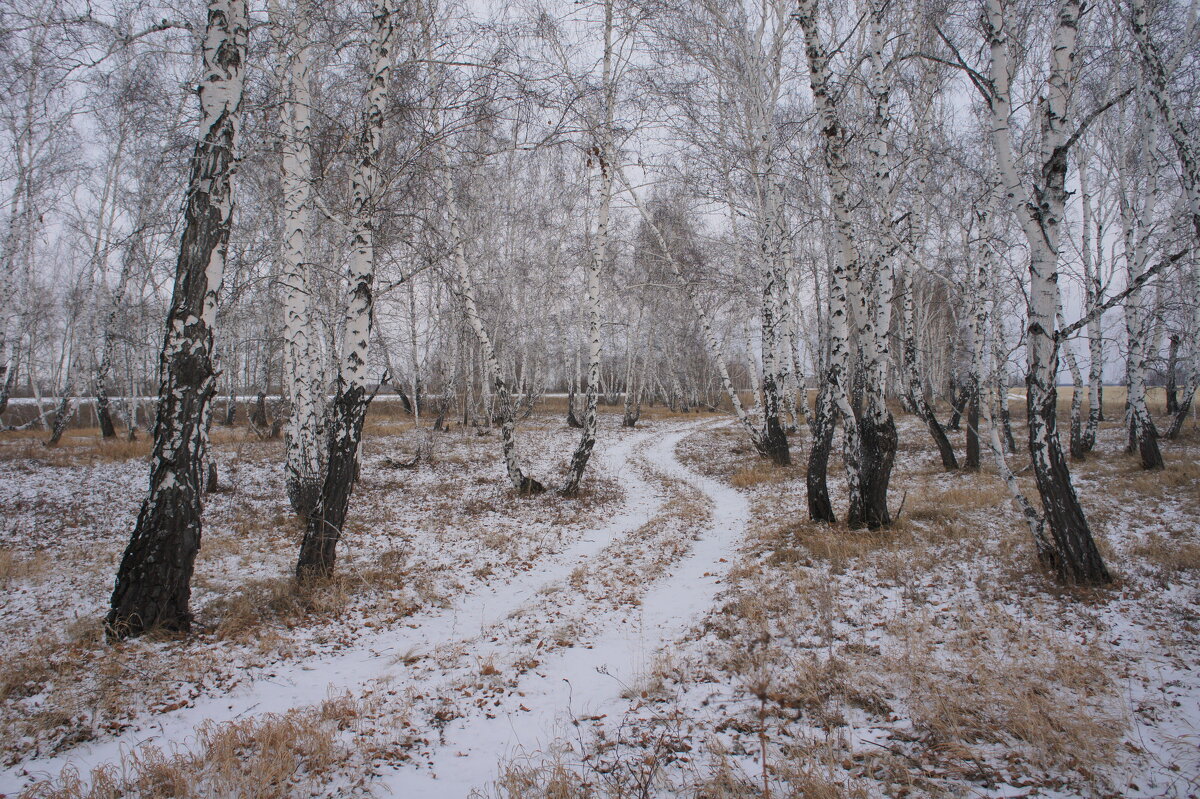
column 679, row 629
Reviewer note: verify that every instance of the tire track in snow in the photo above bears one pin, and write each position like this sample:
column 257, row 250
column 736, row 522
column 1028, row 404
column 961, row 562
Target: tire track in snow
column 583, row 681
column 373, row 658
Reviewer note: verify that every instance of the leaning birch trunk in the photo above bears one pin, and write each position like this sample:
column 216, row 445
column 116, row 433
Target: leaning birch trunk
column 1155, row 73
column 301, row 354
column 154, row 579
column 522, row 483
column 711, row 345
column 318, row 551
column 604, row 154
column 914, row 387
column 1075, row 557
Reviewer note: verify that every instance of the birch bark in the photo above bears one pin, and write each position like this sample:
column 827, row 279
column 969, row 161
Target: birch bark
column 318, row 550
column 604, row 153
column 301, row 353
column 846, row 265
column 1093, row 294
column 154, row 579
column 1075, row 556
column 1138, row 205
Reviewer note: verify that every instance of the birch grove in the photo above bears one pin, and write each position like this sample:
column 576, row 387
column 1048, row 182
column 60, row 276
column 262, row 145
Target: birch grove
column 857, row 229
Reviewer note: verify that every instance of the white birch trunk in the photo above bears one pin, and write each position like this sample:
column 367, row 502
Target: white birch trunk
column 1040, row 213
column 845, row 265
column 153, row 582
column 318, row 551
column 301, row 353
column 605, row 155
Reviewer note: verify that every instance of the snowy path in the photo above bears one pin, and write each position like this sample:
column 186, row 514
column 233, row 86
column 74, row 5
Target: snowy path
column 588, row 681
column 437, row 648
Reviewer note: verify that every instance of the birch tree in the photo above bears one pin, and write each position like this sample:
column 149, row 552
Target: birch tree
column 318, row 550
column 603, row 153
column 861, row 283
column 302, row 356
column 153, row 585
column 1040, row 210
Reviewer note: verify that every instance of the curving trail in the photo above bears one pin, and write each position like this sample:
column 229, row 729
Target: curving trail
column 589, row 680
column 439, row 648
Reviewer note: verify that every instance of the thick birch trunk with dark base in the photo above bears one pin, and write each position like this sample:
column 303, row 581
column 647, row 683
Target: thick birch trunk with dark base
column 971, row 462
column 877, row 435
column 318, row 550
column 154, row 579
column 867, row 472
column 820, row 508
column 1075, row 558
column 604, row 153
column 1040, row 211
column 774, row 441
column 104, row 414
column 303, row 387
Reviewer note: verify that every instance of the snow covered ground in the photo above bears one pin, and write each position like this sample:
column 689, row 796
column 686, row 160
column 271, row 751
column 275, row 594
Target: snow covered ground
column 680, row 629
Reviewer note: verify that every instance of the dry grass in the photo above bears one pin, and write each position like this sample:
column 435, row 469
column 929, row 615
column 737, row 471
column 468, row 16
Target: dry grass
column 282, row 602
column 16, row 565
column 275, row 755
column 986, row 678
column 77, row 448
column 760, row 472
column 1170, row 553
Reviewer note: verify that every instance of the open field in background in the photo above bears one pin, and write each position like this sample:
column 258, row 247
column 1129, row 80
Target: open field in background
column 932, row 659
column 389, row 406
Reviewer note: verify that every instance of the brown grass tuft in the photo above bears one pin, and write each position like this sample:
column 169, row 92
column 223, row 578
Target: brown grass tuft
column 273, row 756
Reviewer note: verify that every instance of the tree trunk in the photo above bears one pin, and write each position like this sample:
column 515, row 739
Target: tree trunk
column 318, row 551
column 1172, row 377
column 915, row 390
column 154, row 579
column 1137, row 214
column 872, row 313
column 62, row 416
column 605, row 155
column 1076, row 558
column 301, row 355
column 866, row 473
column 820, row 509
column 1155, row 73
column 1093, row 291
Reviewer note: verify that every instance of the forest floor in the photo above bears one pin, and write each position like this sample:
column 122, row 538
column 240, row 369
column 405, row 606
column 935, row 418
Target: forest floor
column 680, row 629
